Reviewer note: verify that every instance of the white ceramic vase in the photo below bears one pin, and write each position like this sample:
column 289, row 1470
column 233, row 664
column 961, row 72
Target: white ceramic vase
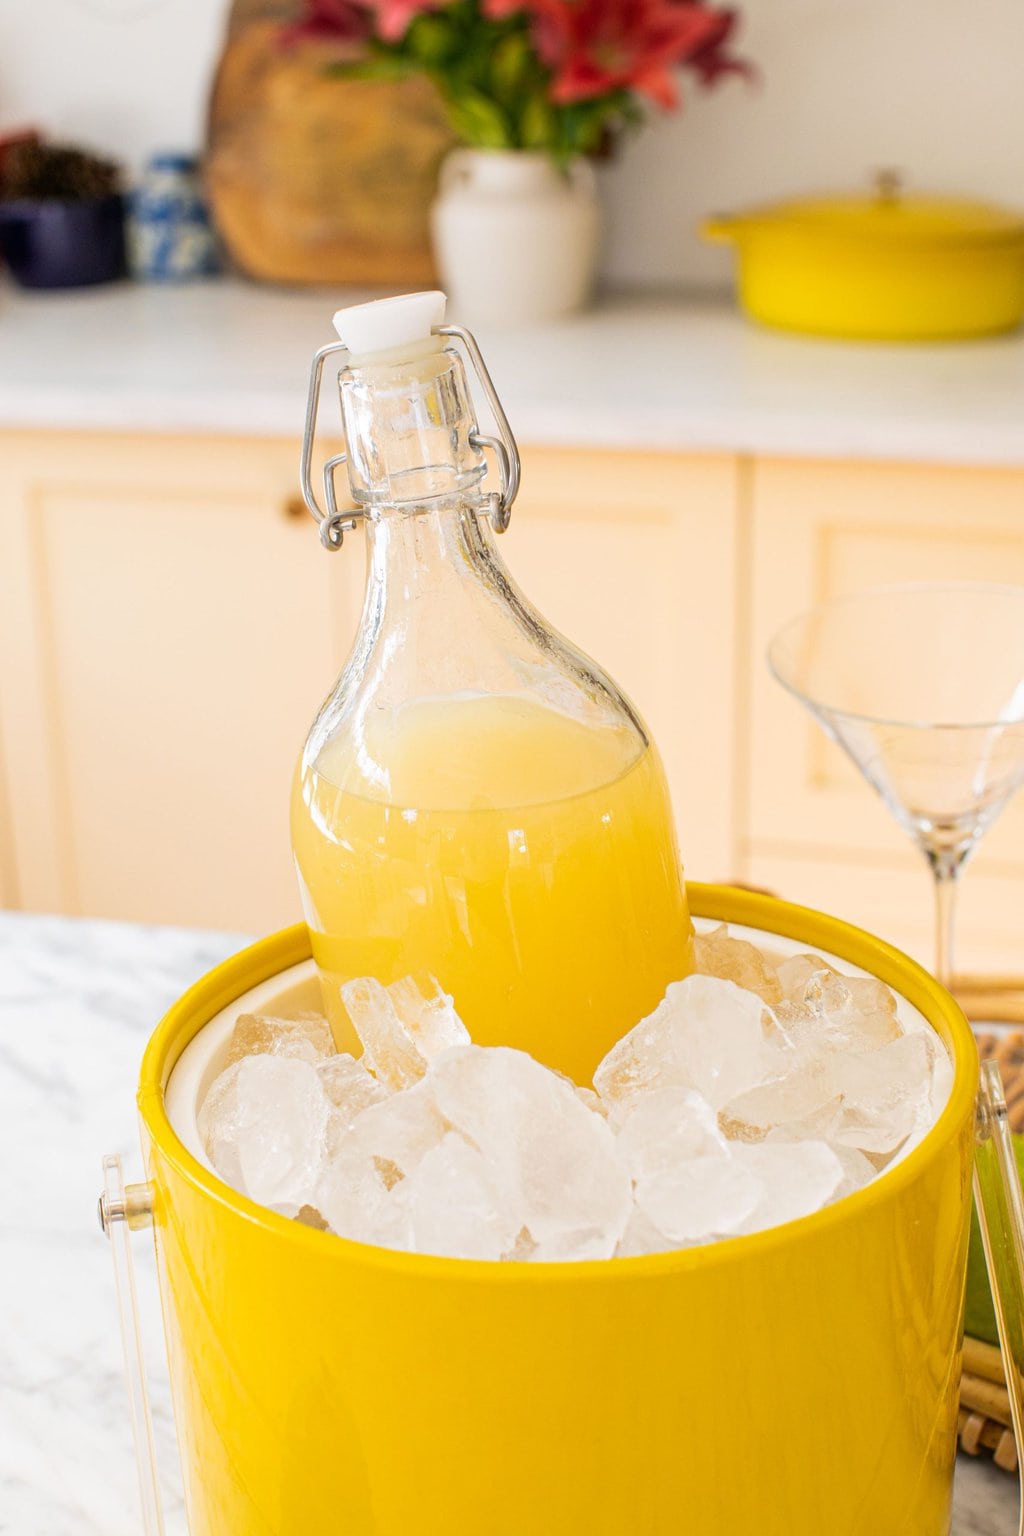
column 515, row 237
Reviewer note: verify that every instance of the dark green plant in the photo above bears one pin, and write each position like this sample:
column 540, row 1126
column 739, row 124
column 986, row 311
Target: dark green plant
column 55, row 172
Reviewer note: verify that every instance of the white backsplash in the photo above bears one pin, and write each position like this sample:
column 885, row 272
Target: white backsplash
column 846, row 86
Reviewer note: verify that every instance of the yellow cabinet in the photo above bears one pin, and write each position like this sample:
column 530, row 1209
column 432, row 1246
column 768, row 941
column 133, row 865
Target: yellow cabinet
column 633, row 556
column 172, row 623
column 169, row 629
column 812, row 829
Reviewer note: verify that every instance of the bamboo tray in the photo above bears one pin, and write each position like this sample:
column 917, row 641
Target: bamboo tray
column 984, row 1423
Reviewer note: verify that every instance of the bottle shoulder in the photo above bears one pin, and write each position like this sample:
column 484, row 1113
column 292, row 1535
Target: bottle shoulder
column 455, row 678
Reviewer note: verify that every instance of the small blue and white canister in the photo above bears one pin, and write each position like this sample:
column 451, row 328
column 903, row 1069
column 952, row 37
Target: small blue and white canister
column 170, row 237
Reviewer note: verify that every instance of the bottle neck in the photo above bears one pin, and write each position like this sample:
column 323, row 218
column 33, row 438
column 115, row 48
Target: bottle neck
column 441, row 614
column 410, row 434
column 435, row 579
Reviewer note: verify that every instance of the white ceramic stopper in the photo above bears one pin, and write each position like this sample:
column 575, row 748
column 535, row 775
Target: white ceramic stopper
column 390, row 325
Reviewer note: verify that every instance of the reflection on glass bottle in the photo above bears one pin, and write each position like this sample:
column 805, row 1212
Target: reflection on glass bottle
column 476, row 800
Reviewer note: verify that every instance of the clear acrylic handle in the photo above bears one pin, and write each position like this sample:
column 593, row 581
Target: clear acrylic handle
column 1000, row 1205
column 122, row 1209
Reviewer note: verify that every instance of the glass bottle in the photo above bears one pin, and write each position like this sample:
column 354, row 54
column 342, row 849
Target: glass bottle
column 477, row 801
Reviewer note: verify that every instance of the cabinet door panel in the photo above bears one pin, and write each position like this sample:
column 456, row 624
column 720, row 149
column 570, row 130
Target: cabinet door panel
column 170, row 633
column 632, row 556
column 814, row 830
column 187, row 630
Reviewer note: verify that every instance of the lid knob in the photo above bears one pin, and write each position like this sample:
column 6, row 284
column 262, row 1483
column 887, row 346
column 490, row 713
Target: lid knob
column 888, row 185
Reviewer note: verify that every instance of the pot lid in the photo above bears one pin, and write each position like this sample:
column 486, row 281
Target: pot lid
column 887, row 216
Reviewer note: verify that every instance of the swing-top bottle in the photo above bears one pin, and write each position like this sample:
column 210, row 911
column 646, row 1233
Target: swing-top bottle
column 477, row 801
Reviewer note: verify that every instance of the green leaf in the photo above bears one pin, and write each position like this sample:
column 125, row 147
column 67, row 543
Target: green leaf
column 479, row 122
column 431, row 39
column 510, row 63
column 538, row 125
column 380, row 67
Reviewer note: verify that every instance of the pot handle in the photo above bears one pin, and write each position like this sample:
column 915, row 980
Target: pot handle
column 1000, row 1206
column 122, row 1209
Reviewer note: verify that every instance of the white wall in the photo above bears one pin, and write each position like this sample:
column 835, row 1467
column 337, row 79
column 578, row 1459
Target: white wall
column 933, row 87
column 125, row 76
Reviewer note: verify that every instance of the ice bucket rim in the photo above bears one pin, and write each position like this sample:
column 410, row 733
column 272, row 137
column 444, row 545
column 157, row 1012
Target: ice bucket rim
column 269, row 956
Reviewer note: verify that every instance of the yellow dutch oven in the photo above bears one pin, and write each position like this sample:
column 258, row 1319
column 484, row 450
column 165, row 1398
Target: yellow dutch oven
column 886, row 267
column 794, row 1382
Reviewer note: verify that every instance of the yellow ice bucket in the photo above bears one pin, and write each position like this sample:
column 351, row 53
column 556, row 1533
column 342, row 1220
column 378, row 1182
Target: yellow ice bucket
column 794, row 1382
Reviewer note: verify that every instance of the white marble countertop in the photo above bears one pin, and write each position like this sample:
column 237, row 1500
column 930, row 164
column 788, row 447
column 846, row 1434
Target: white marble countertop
column 77, row 1003
column 225, row 356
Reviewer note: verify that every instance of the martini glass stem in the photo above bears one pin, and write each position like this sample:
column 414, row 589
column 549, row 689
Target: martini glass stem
column 945, row 866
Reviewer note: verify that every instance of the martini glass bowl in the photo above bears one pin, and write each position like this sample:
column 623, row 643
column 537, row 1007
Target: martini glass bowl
column 922, row 685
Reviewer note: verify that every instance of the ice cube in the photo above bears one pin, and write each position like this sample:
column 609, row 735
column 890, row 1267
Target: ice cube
column 400, row 1130
column 428, row 1013
column 856, row 1014
column 401, row 1027
column 718, row 954
column 793, row 1178
column 263, row 1125
column 886, row 1093
column 642, row 1237
column 871, row 995
column 795, row 972
column 591, row 1099
column 388, row 1049
column 706, row 1034
column 858, row 1170
column 839, row 1013
column 348, row 1085
column 455, row 1204
column 358, row 1203
column 351, row 1089
column 360, row 1191
column 307, row 1037
column 702, row 1198
column 660, row 1129
column 804, row 1102
column 553, row 1160
column 748, row 1098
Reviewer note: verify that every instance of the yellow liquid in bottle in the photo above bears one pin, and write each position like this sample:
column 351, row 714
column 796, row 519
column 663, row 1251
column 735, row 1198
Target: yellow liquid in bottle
column 525, row 859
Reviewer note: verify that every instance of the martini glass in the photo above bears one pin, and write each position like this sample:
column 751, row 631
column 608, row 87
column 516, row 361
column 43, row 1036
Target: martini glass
column 923, row 686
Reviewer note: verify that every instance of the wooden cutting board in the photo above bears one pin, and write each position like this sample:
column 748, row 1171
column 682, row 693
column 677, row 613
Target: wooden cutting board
column 313, row 178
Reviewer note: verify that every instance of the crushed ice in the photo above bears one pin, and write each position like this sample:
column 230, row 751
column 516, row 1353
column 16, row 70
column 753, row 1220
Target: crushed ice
column 755, row 1093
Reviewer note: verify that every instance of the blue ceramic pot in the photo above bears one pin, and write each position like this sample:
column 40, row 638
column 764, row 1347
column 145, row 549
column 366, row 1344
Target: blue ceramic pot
column 48, row 243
